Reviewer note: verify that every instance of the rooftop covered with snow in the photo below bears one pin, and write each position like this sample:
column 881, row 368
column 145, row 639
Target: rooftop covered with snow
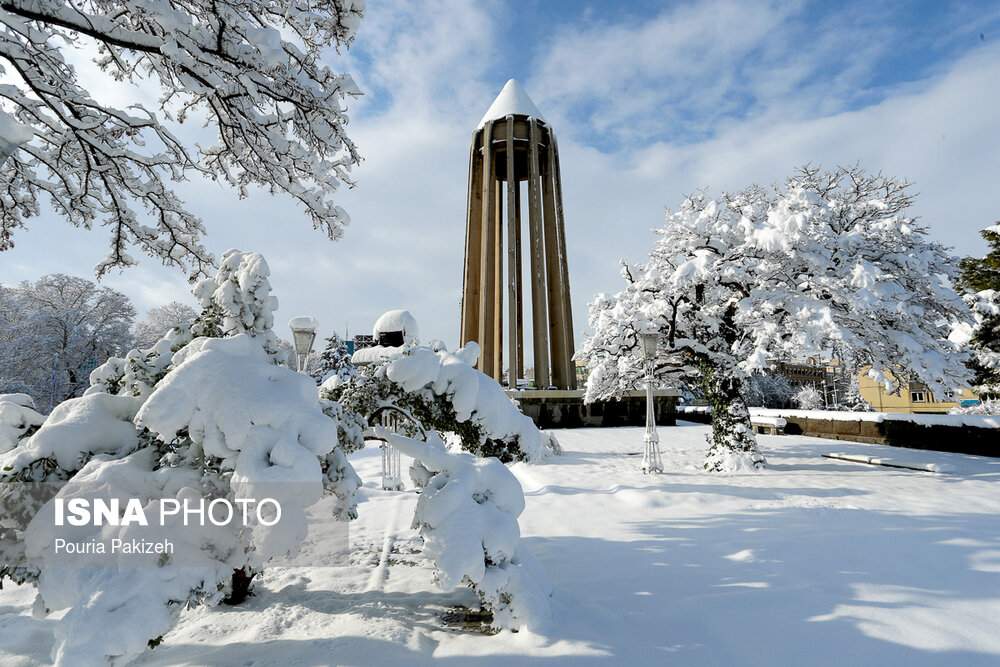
column 512, row 100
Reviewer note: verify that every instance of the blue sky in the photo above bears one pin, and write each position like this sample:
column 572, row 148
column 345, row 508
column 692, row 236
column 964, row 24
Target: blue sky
column 650, row 101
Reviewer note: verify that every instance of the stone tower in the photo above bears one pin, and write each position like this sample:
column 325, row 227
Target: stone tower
column 513, row 145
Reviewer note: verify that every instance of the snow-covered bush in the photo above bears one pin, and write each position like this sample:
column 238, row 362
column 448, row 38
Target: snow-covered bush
column 830, row 260
column 444, row 391
column 333, row 361
column 467, row 515
column 18, row 419
column 187, row 419
column 33, row 472
column 808, row 398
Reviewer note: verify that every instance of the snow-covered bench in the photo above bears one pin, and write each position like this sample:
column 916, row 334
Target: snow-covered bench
column 768, row 425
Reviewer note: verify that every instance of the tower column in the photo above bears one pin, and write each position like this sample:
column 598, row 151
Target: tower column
column 487, row 280
column 566, row 305
column 539, row 319
column 552, row 278
column 497, row 371
column 513, row 261
column 518, row 272
column 473, row 250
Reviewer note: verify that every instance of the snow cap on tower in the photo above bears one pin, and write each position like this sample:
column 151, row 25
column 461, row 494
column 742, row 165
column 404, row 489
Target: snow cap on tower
column 512, row 100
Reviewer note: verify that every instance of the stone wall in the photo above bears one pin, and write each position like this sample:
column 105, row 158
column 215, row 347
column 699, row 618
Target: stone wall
column 566, row 409
column 898, row 433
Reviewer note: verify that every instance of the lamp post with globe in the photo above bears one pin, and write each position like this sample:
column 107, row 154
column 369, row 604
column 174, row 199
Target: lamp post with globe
column 303, row 336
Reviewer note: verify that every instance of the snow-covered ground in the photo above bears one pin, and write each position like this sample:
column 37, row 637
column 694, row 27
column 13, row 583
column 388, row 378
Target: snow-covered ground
column 813, row 562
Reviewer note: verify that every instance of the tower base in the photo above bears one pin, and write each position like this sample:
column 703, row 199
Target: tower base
column 557, row 408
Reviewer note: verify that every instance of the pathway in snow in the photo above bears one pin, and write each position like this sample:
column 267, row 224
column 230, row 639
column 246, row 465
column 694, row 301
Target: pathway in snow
column 381, row 572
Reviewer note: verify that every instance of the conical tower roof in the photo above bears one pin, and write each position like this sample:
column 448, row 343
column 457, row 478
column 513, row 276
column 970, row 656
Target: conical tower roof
column 511, row 100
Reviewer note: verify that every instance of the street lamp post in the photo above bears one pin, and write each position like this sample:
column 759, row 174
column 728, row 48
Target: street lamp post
column 303, row 336
column 651, row 461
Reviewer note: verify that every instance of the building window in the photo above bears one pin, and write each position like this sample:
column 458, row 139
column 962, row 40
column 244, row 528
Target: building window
column 918, row 397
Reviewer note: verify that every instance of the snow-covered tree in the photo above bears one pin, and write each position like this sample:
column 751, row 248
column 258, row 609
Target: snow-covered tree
column 467, row 515
column 55, row 330
column 186, row 420
column 250, row 74
column 768, row 390
column 334, row 360
column 159, row 320
column 980, row 279
column 808, row 398
column 853, row 400
column 830, row 260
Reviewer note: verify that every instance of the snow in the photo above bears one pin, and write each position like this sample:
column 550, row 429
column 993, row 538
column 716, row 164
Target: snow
column 17, row 416
column 375, row 354
column 23, row 400
column 398, row 320
column 976, row 421
column 95, row 423
column 467, row 515
column 134, row 594
column 303, row 322
column 12, row 134
column 512, row 100
column 263, row 420
column 473, row 394
column 891, row 461
column 761, row 420
column 811, row 562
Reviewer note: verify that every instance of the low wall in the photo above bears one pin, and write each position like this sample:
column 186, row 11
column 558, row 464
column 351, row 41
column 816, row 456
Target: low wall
column 566, row 409
column 943, row 433
column 699, row 414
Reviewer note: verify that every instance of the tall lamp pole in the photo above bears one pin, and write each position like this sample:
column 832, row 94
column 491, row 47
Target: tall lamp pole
column 651, row 461
column 303, row 336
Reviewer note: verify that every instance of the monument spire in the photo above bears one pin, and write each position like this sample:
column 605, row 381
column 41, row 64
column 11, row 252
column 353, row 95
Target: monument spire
column 513, row 145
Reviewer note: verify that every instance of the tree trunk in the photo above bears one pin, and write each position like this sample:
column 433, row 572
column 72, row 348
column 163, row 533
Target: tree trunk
column 732, row 444
column 239, row 586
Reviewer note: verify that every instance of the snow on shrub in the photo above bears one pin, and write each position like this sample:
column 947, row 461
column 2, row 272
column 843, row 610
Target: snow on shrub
column 260, row 420
column 139, row 595
column 467, row 515
column 18, row 419
column 808, row 398
column 443, row 391
column 186, row 419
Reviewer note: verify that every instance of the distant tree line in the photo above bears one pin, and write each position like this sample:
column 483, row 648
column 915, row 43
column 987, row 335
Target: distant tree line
column 56, row 330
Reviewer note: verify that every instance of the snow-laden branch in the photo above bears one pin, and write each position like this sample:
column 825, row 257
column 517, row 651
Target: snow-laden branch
column 251, row 71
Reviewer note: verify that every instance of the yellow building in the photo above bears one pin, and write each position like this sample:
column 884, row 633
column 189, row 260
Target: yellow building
column 913, row 398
